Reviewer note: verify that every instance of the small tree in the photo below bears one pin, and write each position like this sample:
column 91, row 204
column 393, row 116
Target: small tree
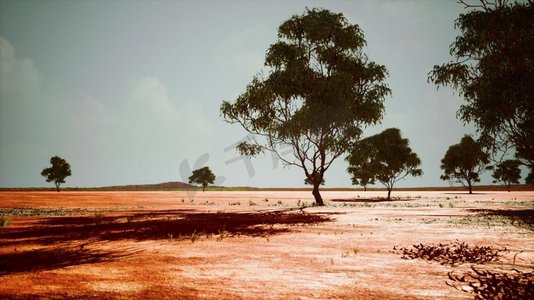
column 57, row 173
column 202, row 176
column 385, row 157
column 463, row 162
column 507, row 172
column 320, row 92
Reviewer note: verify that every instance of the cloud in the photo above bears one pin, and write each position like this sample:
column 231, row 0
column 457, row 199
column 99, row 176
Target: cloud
column 150, row 106
column 150, row 95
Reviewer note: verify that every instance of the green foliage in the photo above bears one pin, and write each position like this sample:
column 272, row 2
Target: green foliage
column 507, row 172
column 57, row 173
column 361, row 161
column 494, row 71
column 463, row 162
column 320, row 90
column 385, row 157
column 202, row 176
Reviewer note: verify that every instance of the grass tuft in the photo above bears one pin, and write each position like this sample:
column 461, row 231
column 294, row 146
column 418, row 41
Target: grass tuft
column 4, row 222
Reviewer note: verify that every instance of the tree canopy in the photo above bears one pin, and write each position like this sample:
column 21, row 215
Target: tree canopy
column 507, row 172
column 202, row 176
column 361, row 160
column 319, row 92
column 463, row 162
column 57, row 173
column 493, row 70
column 385, row 157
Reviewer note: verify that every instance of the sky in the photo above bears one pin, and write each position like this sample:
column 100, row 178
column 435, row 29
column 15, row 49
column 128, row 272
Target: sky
column 128, row 92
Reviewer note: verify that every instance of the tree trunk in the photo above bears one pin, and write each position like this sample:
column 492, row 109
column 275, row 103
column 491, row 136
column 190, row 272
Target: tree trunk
column 508, row 186
column 203, row 188
column 389, row 194
column 57, row 187
column 317, row 195
column 470, row 188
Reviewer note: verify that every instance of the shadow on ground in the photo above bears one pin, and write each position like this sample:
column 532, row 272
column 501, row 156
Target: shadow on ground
column 167, row 224
column 371, row 200
column 53, row 236
column 53, row 258
column 523, row 218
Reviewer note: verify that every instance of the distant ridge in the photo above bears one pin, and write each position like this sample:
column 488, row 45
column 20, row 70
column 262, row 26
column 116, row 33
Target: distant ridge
column 164, row 186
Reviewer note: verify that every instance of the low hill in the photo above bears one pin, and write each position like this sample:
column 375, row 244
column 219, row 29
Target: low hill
column 164, row 186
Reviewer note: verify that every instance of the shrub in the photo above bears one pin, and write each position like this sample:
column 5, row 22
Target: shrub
column 98, row 218
column 4, row 222
column 494, row 284
column 452, row 253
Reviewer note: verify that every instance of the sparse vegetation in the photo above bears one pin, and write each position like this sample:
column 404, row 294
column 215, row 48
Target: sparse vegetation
column 55, row 212
column 451, row 253
column 486, row 284
column 4, row 222
column 194, row 236
column 222, row 234
column 98, row 218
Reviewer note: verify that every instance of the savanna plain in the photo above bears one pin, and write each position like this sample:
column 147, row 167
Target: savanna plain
column 257, row 244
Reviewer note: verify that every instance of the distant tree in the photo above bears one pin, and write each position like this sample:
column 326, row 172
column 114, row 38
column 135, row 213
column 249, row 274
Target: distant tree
column 320, row 91
column 493, row 70
column 507, row 172
column 202, row 176
column 57, row 173
column 385, row 157
column 361, row 163
column 463, row 162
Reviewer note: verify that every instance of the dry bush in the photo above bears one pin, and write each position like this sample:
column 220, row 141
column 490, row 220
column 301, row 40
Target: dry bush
column 451, row 253
column 494, row 284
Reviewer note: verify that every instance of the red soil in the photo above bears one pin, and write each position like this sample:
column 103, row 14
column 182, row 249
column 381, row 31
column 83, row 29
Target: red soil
column 250, row 245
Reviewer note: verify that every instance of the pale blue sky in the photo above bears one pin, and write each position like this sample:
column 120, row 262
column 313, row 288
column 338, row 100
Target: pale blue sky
column 129, row 91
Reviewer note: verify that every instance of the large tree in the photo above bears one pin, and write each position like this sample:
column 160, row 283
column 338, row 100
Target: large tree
column 463, row 162
column 385, row 157
column 319, row 92
column 202, row 176
column 507, row 172
column 493, row 70
column 57, row 173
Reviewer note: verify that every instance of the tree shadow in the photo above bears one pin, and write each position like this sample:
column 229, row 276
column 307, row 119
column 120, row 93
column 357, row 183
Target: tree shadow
column 53, row 258
column 523, row 218
column 371, row 200
column 465, row 193
column 154, row 225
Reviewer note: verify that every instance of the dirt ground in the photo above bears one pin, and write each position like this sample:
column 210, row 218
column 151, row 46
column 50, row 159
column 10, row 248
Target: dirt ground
column 250, row 245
